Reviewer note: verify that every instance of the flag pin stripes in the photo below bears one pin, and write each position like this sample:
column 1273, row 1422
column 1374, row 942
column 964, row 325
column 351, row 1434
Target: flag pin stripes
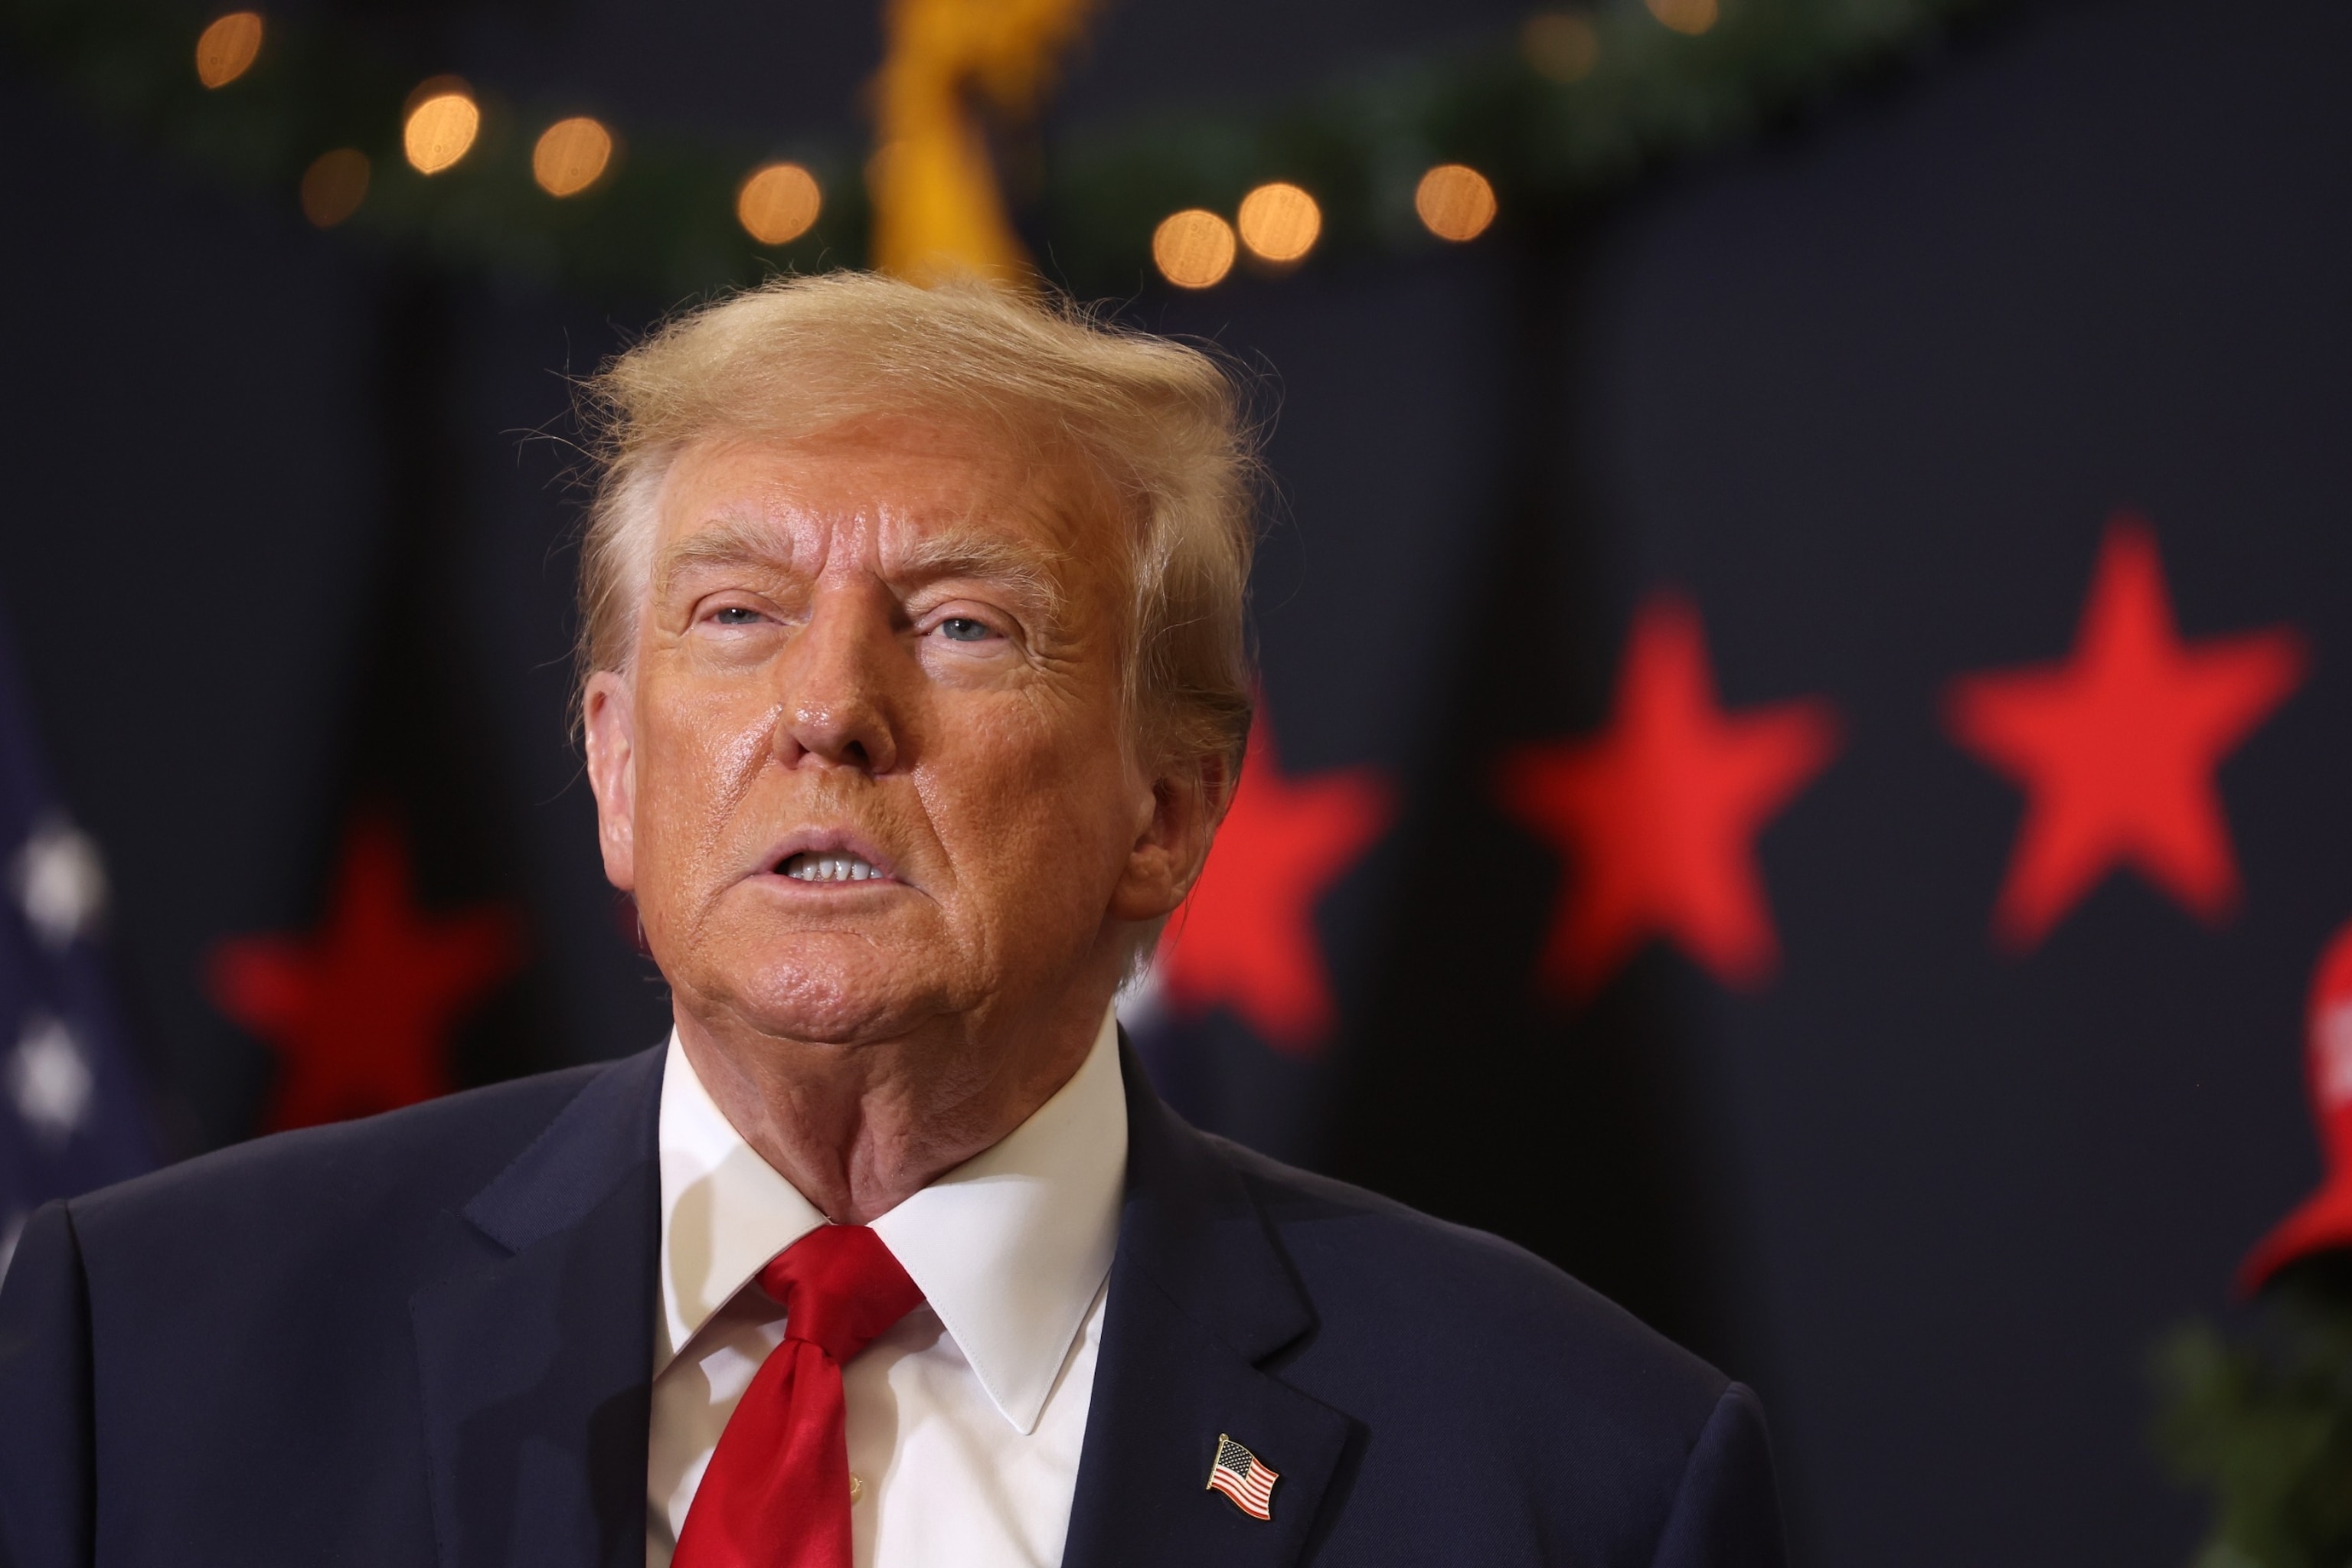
column 1243, row 1478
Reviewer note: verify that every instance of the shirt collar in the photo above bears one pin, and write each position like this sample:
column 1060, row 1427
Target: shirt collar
column 1009, row 1248
column 725, row 1210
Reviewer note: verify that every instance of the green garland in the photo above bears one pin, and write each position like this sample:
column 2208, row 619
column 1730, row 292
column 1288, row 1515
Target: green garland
column 662, row 222
column 662, row 225
column 2260, row 1418
column 1549, row 146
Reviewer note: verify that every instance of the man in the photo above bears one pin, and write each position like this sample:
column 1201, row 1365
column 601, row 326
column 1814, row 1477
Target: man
column 916, row 684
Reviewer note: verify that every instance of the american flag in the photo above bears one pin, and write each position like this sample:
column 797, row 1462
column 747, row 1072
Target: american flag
column 1243, row 1477
column 71, row 1117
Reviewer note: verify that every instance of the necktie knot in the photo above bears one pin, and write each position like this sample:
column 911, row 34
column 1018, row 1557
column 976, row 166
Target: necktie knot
column 778, row 1489
column 840, row 1289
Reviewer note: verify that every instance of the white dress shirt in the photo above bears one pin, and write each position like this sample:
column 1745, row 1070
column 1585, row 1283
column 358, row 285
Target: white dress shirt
column 965, row 1421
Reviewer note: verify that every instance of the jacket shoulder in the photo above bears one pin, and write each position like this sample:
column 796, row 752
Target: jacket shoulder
column 341, row 1179
column 1477, row 1371
column 1490, row 1319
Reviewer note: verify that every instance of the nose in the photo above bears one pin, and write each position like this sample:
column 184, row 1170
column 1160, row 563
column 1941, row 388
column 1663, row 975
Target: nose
column 838, row 708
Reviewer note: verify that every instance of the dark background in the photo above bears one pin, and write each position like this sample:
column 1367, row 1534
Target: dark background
column 288, row 536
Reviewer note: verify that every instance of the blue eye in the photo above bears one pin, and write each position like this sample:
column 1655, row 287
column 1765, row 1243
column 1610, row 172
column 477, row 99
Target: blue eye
column 963, row 628
column 735, row 615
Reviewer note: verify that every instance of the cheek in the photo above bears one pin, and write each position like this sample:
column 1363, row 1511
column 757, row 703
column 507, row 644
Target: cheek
column 1037, row 799
column 698, row 754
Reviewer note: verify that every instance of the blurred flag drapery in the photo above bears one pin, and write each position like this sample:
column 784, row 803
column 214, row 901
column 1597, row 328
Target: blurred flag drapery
column 71, row 1115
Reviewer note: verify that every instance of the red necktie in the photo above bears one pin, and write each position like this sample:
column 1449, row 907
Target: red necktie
column 776, row 1494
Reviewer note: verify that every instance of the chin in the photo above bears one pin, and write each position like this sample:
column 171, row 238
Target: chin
column 840, row 992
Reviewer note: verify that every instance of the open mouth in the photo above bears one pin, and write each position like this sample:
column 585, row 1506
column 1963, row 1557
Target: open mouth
column 829, row 865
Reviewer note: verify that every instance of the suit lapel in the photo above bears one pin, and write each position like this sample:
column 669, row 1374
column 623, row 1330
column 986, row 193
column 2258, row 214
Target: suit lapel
column 1201, row 1298
column 536, row 1357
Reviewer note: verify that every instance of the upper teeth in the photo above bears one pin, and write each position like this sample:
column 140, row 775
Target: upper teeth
column 828, row 866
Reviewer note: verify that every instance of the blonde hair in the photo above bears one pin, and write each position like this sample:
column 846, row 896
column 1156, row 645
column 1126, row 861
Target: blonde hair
column 1159, row 427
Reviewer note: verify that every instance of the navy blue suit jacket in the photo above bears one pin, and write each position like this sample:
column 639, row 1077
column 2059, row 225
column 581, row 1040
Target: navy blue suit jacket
column 427, row 1338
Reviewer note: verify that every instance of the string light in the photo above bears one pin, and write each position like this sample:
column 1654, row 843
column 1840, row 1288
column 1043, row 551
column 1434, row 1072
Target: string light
column 334, row 185
column 226, row 50
column 1278, row 221
column 1747, row 78
column 571, row 155
column 443, row 120
column 1194, row 249
column 1455, row 202
column 1562, row 45
column 1692, row 17
column 778, row 203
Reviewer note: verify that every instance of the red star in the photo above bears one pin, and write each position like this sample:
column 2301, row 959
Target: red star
column 1659, row 812
column 2115, row 746
column 1246, row 936
column 359, row 1014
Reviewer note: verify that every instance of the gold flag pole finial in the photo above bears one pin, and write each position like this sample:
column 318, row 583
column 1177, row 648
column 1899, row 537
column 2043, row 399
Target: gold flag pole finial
column 938, row 210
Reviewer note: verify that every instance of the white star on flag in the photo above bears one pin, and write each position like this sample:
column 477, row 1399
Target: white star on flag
column 48, row 1080
column 58, row 879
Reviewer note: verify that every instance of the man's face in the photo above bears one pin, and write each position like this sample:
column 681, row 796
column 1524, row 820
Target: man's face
column 869, row 768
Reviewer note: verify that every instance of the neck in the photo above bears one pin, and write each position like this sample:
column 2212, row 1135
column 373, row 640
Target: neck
column 858, row 1129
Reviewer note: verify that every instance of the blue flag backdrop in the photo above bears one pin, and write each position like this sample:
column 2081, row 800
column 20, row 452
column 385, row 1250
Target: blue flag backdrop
column 71, row 1115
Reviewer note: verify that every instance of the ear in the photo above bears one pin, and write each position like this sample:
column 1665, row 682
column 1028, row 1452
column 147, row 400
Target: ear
column 1171, row 844
column 608, row 716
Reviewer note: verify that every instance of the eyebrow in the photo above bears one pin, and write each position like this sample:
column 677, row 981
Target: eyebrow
column 725, row 544
column 985, row 559
column 949, row 554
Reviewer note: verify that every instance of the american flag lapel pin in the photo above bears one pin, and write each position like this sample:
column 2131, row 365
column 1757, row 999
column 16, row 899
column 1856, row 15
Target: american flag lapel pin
column 1243, row 1477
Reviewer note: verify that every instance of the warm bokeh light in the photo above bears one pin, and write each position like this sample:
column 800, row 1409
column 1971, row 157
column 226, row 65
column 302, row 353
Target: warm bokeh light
column 1194, row 249
column 1279, row 221
column 1562, row 45
column 440, row 129
column 571, row 155
column 226, row 50
column 1455, row 201
column 1692, row 17
column 778, row 203
column 334, row 185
